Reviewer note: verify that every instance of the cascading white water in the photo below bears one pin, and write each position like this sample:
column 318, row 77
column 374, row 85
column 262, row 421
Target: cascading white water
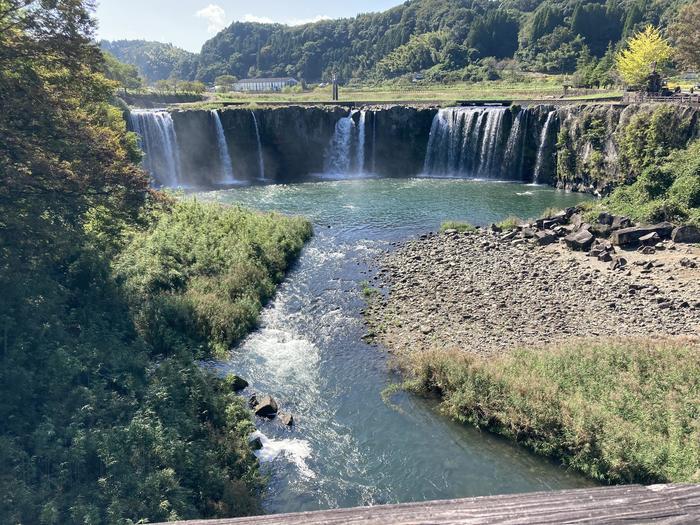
column 159, row 144
column 346, row 151
column 227, row 176
column 542, row 147
column 360, row 147
column 466, row 142
column 374, row 142
column 261, row 160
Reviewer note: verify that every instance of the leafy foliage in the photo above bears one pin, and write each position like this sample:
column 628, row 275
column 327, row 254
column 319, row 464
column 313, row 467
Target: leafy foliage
column 100, row 423
column 667, row 190
column 686, row 35
column 646, row 51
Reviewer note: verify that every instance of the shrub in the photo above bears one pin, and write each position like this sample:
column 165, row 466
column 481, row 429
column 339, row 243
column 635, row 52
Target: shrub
column 459, row 226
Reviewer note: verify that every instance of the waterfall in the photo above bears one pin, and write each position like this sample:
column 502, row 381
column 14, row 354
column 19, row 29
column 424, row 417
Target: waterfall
column 466, row 142
column 542, row 147
column 374, row 142
column 158, row 141
column 346, row 151
column 360, row 147
column 261, row 161
column 227, row 176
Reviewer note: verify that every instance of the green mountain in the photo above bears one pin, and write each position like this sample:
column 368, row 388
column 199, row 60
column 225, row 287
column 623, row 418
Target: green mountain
column 445, row 38
column 154, row 60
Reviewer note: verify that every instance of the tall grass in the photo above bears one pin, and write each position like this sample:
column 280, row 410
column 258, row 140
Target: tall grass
column 200, row 276
column 618, row 411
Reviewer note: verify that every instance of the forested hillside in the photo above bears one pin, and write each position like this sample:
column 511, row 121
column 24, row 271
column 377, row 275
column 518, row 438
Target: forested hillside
column 154, row 60
column 449, row 39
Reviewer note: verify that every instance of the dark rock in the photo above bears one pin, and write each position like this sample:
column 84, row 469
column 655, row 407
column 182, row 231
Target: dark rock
column 236, row 383
column 618, row 263
column 576, row 221
column 605, row 257
column 605, row 218
column 647, row 250
column 256, row 443
column 650, row 238
column 286, row 419
column 620, row 222
column 632, row 235
column 601, row 230
column 253, row 401
column 545, row 237
column 580, row 240
column 266, row 407
column 508, row 236
column 686, row 234
column 495, row 228
column 685, row 262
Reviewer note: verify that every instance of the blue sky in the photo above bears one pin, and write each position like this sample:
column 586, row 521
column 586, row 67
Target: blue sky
column 189, row 23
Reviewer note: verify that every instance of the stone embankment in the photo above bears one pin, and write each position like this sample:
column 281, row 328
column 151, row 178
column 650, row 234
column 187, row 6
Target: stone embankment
column 491, row 290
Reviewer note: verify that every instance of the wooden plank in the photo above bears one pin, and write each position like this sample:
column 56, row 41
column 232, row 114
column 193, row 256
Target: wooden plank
column 633, row 504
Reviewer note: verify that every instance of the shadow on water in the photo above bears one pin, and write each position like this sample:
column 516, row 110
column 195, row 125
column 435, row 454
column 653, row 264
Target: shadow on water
column 348, row 447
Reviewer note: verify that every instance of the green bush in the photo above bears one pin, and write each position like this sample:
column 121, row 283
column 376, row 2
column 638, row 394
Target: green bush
column 618, row 411
column 669, row 190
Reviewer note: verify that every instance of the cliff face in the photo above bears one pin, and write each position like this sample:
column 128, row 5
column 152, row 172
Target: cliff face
column 600, row 146
column 587, row 148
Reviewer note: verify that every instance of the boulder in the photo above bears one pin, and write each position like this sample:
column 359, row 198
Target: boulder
column 601, row 230
column 253, row 401
column 686, row 234
column 580, row 240
column 618, row 263
column 266, row 407
column 256, row 443
column 627, row 236
column 528, row 233
column 495, row 228
column 236, row 383
column 545, row 237
column 620, row 222
column 605, row 218
column 286, row 419
column 650, row 238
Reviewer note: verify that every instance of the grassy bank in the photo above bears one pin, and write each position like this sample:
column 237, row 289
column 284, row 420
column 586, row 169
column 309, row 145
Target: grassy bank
column 618, row 411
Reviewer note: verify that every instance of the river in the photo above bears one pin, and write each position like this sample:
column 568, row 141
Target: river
column 348, row 446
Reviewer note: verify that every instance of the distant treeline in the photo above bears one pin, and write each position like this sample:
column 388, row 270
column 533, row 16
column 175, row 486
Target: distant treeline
column 446, row 39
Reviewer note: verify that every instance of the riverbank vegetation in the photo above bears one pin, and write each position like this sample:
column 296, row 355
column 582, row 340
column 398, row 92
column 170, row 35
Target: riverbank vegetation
column 620, row 411
column 111, row 292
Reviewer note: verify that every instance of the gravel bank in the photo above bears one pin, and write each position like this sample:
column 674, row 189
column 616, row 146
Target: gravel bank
column 477, row 292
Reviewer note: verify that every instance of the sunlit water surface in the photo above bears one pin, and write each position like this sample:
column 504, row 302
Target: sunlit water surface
column 348, row 446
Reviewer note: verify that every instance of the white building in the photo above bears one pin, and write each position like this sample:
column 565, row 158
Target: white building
column 264, row 84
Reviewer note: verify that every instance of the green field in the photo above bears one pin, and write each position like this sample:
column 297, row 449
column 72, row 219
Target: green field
column 532, row 88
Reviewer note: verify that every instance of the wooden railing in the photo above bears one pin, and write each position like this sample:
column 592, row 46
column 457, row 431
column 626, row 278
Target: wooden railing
column 689, row 99
column 633, row 504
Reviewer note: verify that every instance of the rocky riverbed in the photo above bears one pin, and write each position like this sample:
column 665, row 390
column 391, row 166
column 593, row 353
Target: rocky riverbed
column 487, row 292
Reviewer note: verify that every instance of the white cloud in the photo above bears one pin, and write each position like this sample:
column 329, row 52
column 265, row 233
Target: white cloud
column 215, row 15
column 257, row 19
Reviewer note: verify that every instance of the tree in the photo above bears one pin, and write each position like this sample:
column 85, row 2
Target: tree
column 686, row 36
column 645, row 51
column 126, row 74
column 224, row 83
